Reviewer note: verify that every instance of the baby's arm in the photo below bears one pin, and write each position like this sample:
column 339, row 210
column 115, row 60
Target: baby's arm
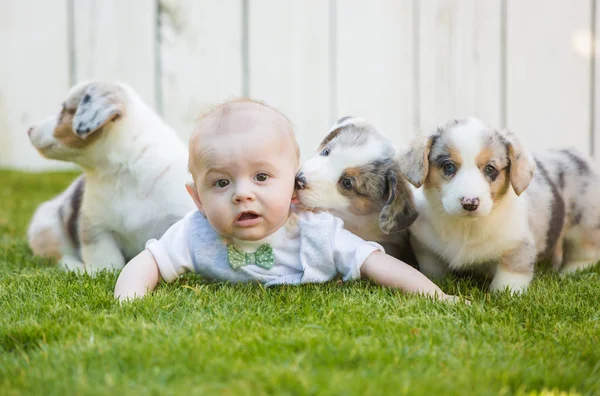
column 388, row 271
column 139, row 276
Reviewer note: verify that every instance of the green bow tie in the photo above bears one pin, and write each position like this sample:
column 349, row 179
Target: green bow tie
column 263, row 257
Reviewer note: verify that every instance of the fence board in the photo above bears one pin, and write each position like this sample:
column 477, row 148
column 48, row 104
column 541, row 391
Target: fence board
column 596, row 88
column 405, row 65
column 289, row 63
column 548, row 82
column 374, row 74
column 200, row 56
column 34, row 77
column 116, row 39
column 460, row 61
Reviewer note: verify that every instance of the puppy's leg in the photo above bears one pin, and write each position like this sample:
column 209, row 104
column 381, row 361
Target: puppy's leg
column 583, row 250
column 428, row 262
column 515, row 270
column 102, row 253
column 45, row 233
column 99, row 250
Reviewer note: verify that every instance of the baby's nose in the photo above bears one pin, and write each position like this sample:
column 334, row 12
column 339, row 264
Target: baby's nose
column 300, row 182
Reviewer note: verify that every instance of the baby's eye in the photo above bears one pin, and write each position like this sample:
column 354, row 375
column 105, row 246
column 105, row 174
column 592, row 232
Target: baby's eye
column 221, row 183
column 261, row 177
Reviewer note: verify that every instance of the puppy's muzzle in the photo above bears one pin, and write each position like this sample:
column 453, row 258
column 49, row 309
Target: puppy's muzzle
column 470, row 204
column 300, row 182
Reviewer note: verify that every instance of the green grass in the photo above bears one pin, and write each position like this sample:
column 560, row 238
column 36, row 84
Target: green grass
column 64, row 334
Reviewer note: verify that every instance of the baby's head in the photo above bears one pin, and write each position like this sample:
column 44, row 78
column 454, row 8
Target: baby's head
column 243, row 159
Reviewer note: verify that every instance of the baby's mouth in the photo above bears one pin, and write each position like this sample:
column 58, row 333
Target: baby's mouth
column 247, row 216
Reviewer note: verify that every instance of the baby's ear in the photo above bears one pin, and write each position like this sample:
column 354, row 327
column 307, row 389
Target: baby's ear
column 191, row 189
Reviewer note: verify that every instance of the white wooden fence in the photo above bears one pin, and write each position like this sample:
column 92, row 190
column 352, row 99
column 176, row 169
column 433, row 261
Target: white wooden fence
column 407, row 65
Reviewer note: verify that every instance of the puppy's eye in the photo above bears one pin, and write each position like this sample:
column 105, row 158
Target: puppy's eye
column 325, row 152
column 221, row 183
column 261, row 177
column 347, row 183
column 490, row 170
column 449, row 168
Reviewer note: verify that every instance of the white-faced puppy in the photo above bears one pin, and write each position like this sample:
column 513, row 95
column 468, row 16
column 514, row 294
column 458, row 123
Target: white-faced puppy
column 356, row 177
column 486, row 202
column 132, row 187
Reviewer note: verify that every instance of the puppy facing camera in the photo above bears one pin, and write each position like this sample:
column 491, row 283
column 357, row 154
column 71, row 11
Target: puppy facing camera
column 486, row 201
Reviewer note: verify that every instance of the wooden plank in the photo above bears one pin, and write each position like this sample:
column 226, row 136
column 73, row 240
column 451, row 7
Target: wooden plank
column 548, row 82
column 34, row 78
column 595, row 56
column 374, row 65
column 200, row 56
column 289, row 64
column 460, row 61
column 116, row 39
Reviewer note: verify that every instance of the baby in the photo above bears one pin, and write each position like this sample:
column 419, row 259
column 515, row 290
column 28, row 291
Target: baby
column 243, row 159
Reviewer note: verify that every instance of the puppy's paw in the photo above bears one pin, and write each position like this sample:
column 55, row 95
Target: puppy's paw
column 71, row 264
column 515, row 282
column 572, row 267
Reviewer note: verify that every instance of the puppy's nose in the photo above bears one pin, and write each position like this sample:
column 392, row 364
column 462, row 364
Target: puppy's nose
column 469, row 204
column 300, row 181
column 29, row 131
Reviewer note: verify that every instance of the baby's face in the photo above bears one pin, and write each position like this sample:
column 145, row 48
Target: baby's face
column 245, row 181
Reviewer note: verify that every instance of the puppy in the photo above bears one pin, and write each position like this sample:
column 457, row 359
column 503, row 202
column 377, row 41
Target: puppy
column 132, row 187
column 356, row 177
column 485, row 202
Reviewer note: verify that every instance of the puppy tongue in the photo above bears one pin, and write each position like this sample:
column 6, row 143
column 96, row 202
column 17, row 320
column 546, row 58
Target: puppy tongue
column 247, row 216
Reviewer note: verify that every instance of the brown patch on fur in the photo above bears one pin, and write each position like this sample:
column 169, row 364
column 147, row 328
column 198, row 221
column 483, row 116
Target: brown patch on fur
column 108, row 92
column 485, row 156
column 379, row 187
column 65, row 134
column 436, row 177
column 499, row 186
column 46, row 243
column 364, row 190
column 455, row 156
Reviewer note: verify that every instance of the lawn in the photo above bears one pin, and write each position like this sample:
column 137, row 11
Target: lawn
column 62, row 333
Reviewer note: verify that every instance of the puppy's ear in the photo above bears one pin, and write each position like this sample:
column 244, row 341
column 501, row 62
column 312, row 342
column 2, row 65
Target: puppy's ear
column 341, row 121
column 522, row 164
column 414, row 162
column 334, row 131
column 399, row 211
column 99, row 105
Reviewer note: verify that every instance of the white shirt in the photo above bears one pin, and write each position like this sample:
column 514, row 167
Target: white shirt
column 174, row 258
